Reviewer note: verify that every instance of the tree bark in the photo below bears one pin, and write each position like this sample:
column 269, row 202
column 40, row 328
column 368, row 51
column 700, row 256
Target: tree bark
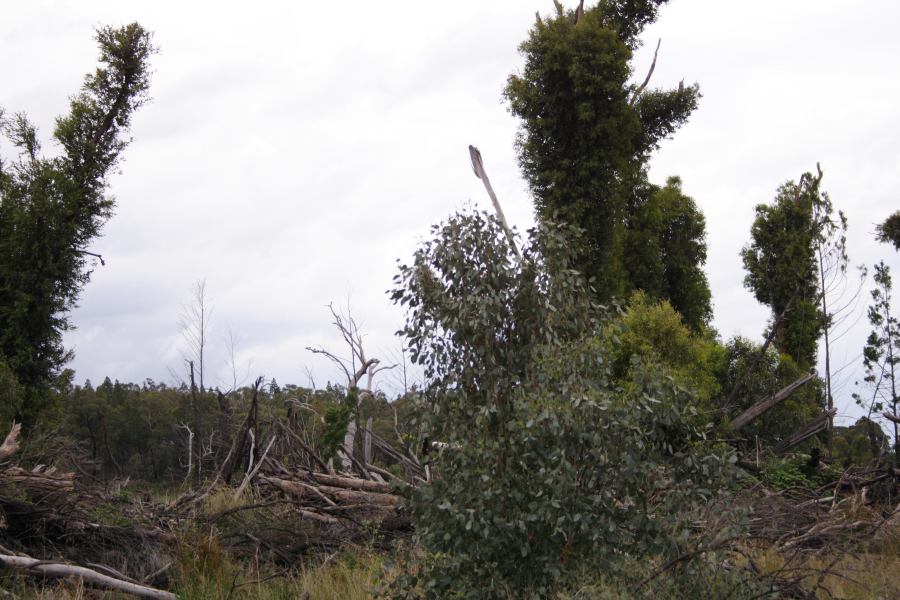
column 53, row 569
column 814, row 427
column 760, row 407
column 11, row 443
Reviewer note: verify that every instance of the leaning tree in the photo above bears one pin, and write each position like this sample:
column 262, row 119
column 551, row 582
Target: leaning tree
column 53, row 207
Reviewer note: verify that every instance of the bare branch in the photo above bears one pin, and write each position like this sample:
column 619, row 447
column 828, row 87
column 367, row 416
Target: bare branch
column 478, row 167
column 94, row 254
column 643, row 86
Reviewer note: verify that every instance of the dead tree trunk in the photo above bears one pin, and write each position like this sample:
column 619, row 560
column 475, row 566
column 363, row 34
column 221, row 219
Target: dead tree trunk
column 357, row 367
column 818, row 424
column 763, row 406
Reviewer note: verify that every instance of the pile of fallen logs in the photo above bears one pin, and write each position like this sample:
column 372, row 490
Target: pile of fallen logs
column 272, row 494
column 322, row 506
column 43, row 511
column 822, row 518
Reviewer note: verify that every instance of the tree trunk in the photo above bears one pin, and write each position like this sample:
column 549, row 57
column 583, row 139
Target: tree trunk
column 53, row 569
column 814, row 427
column 761, row 407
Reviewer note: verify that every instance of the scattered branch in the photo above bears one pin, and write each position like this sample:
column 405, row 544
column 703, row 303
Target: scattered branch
column 89, row 576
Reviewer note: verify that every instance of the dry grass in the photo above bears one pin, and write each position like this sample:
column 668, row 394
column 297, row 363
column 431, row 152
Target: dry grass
column 205, row 572
column 850, row 576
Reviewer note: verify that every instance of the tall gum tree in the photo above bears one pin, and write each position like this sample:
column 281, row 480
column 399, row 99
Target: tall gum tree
column 789, row 241
column 53, row 207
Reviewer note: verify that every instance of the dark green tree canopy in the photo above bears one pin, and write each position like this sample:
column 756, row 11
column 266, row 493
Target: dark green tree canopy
column 782, row 262
column 666, row 249
column 51, row 208
column 585, row 139
column 889, row 231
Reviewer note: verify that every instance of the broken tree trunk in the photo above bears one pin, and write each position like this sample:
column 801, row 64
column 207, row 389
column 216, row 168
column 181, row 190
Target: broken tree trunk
column 40, row 481
column 11, row 443
column 367, row 443
column 349, row 444
column 352, row 483
column 763, row 406
column 480, row 173
column 89, row 576
column 815, row 426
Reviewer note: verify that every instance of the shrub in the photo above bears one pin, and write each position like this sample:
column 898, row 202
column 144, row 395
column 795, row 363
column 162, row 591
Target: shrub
column 550, row 463
column 654, row 331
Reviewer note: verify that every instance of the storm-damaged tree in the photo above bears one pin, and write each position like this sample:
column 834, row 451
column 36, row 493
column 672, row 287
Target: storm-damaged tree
column 342, row 420
column 53, row 207
column 586, row 138
column 795, row 262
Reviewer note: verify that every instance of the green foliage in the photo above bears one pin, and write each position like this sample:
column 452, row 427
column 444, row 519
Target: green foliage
column 889, row 231
column 773, row 372
column 584, row 145
column 337, row 418
column 787, row 473
column 10, row 394
column 52, row 208
column 788, row 237
column 656, row 333
column 550, row 464
column 666, row 250
column 859, row 444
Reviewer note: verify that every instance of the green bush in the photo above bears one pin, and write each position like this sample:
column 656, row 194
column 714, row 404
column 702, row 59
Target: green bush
column 550, row 463
column 786, row 473
column 654, row 331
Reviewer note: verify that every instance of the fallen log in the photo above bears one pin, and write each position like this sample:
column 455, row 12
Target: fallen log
column 40, row 481
column 812, row 428
column 301, row 489
column 352, row 483
column 763, row 406
column 88, row 576
column 345, row 495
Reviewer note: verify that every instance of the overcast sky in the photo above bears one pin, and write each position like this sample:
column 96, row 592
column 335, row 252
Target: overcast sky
column 294, row 151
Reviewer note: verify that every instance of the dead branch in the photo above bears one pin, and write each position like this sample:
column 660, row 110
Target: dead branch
column 57, row 569
column 478, row 167
column 94, row 254
column 352, row 483
column 760, row 407
column 643, row 86
column 305, row 446
column 251, row 474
